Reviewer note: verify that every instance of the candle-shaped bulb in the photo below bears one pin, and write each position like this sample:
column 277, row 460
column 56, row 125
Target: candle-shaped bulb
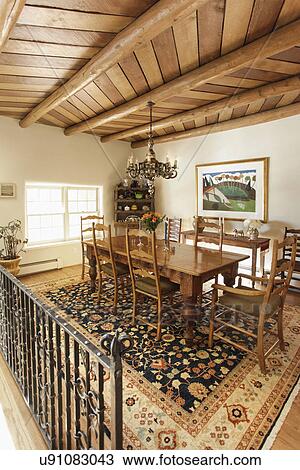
column 167, row 158
column 175, row 163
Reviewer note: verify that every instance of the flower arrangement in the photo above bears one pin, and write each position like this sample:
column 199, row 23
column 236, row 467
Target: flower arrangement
column 151, row 220
column 13, row 243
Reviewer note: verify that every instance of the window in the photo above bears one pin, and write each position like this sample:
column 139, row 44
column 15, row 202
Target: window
column 53, row 212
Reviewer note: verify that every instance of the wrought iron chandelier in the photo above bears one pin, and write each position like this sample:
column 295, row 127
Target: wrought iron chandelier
column 151, row 168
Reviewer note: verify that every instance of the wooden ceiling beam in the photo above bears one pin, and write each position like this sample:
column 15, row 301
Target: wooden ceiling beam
column 244, row 98
column 155, row 20
column 268, row 45
column 9, row 13
column 250, row 120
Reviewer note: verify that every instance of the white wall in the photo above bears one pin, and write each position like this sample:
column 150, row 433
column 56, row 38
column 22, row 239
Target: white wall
column 279, row 140
column 44, row 154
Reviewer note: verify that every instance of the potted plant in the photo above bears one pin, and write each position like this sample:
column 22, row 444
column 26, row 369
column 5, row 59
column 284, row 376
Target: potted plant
column 13, row 244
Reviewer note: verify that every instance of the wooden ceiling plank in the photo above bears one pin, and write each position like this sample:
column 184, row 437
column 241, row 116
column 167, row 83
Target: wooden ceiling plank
column 255, row 107
column 86, row 98
column 148, row 63
column 287, row 98
column 264, row 16
column 210, row 32
column 289, row 12
column 290, row 55
column 56, row 36
column 225, row 114
column 68, row 19
column 134, row 74
column 242, row 99
column 237, row 82
column 36, row 71
column 75, row 101
column 186, row 40
column 16, row 46
column 20, row 99
column 278, row 66
column 41, row 61
column 144, row 28
column 165, row 51
column 248, row 120
column 94, row 91
column 119, row 79
column 236, row 23
column 10, row 11
column 109, row 89
column 282, row 39
column 114, row 7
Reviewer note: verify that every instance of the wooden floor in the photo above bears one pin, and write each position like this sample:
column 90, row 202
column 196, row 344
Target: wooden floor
column 24, row 431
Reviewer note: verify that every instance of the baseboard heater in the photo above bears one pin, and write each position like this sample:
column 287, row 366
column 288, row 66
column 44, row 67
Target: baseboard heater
column 41, row 266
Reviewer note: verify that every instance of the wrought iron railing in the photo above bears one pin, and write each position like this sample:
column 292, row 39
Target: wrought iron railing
column 72, row 388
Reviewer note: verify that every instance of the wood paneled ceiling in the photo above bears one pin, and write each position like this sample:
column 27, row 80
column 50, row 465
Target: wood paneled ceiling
column 225, row 64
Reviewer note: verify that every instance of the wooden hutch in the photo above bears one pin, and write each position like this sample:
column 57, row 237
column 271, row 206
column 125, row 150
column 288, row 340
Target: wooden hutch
column 130, row 203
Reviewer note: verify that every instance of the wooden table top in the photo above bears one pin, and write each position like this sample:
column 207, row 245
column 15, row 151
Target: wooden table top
column 184, row 258
column 230, row 239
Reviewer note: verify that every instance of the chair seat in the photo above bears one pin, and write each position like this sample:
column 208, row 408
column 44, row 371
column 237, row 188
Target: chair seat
column 148, row 286
column 120, row 268
column 249, row 304
column 297, row 264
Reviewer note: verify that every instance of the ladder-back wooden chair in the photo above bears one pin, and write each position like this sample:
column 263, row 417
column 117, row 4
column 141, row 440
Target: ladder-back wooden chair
column 144, row 273
column 287, row 255
column 173, row 230
column 105, row 259
column 213, row 236
column 262, row 304
column 86, row 229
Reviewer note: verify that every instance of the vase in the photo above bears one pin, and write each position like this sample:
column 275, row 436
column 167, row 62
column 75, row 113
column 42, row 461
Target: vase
column 11, row 265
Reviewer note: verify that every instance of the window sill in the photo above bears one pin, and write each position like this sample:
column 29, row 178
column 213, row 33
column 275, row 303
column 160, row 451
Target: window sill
column 50, row 245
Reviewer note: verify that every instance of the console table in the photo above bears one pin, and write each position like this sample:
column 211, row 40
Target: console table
column 261, row 245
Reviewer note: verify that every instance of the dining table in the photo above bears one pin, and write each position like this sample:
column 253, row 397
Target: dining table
column 186, row 265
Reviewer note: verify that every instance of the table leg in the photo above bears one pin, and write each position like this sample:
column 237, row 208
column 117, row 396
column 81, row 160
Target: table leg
column 229, row 276
column 254, row 261
column 190, row 289
column 93, row 271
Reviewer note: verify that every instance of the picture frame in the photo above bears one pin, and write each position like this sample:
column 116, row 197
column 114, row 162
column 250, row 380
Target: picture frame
column 7, row 190
column 234, row 190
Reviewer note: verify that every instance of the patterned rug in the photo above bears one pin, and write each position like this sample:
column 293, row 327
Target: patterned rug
column 176, row 397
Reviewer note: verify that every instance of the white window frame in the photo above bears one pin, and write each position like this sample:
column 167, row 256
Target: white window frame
column 64, row 188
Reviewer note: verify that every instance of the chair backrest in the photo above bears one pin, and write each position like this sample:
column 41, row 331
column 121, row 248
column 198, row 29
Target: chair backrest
column 173, row 230
column 142, row 256
column 292, row 232
column 86, row 224
column 280, row 286
column 102, row 238
column 214, row 235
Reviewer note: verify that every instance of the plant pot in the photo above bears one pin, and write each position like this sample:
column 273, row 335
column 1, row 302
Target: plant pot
column 11, row 265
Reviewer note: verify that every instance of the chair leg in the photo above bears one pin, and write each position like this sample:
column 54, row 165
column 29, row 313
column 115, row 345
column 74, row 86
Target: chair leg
column 280, row 329
column 116, row 292
column 99, row 286
column 134, row 307
column 260, row 345
column 158, row 334
column 122, row 285
column 212, row 319
column 82, row 267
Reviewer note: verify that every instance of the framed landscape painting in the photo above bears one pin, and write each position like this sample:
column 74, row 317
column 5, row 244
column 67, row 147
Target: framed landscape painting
column 233, row 190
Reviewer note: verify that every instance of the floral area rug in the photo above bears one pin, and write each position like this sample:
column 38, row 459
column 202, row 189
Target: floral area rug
column 177, row 397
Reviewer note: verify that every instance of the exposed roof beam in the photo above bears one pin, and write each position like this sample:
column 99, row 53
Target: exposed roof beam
column 250, row 120
column 159, row 17
column 246, row 97
column 266, row 46
column 9, row 13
